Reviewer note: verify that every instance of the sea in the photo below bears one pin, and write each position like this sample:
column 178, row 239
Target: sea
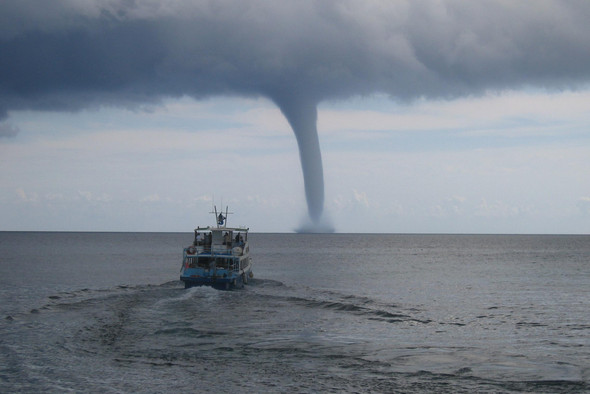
column 325, row 313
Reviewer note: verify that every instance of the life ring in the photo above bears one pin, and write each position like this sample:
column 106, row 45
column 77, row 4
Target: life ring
column 191, row 250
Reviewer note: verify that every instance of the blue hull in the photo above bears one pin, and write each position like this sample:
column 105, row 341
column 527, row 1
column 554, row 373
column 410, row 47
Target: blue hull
column 219, row 283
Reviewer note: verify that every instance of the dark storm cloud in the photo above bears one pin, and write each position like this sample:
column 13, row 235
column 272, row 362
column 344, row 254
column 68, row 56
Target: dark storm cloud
column 63, row 55
column 68, row 55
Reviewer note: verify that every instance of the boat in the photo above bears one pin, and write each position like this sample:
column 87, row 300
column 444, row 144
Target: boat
column 219, row 256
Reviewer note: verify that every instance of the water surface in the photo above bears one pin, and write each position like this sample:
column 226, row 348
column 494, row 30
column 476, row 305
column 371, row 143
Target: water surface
column 325, row 313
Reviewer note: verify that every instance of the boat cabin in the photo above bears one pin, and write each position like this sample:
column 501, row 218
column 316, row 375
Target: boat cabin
column 219, row 239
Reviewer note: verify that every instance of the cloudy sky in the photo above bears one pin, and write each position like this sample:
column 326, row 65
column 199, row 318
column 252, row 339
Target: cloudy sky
column 432, row 116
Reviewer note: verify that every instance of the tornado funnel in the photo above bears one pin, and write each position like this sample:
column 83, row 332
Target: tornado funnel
column 302, row 116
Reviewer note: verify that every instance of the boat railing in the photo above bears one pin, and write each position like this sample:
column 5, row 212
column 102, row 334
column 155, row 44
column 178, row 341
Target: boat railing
column 223, row 260
column 221, row 249
column 236, row 248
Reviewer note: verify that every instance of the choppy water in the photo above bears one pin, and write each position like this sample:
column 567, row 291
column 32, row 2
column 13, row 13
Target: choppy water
column 326, row 313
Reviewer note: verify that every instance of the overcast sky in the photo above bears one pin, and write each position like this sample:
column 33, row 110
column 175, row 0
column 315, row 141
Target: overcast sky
column 443, row 116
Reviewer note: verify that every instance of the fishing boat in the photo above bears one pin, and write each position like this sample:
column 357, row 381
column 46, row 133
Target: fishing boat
column 218, row 257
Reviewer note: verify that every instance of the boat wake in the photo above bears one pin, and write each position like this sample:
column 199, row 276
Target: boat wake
column 266, row 336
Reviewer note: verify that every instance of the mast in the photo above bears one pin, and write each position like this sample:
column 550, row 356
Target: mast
column 219, row 218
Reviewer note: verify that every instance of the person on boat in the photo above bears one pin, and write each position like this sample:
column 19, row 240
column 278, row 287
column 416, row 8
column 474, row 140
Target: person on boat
column 199, row 239
column 208, row 239
column 226, row 239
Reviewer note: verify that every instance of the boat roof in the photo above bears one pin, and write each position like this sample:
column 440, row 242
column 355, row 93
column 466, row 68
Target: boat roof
column 212, row 228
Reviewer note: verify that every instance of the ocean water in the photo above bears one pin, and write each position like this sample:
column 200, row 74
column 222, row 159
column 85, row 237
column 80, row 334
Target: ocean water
column 105, row 312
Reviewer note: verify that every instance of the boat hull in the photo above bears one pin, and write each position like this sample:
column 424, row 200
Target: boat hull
column 234, row 281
